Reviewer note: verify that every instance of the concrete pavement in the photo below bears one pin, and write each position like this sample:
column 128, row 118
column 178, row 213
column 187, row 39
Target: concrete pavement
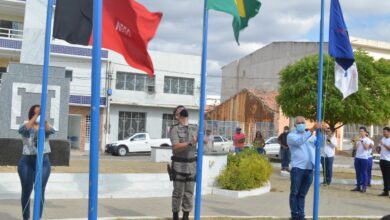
column 335, row 200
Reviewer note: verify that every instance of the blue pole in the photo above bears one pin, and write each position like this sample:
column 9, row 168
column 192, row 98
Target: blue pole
column 41, row 132
column 319, row 119
column 198, row 196
column 95, row 110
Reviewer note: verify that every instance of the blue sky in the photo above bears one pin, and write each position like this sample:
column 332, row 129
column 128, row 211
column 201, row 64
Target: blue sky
column 278, row 20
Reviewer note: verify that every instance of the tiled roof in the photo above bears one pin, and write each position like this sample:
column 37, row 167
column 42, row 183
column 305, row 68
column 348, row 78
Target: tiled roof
column 266, row 97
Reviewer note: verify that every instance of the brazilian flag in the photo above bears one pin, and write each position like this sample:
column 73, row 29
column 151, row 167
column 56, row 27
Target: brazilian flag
column 241, row 10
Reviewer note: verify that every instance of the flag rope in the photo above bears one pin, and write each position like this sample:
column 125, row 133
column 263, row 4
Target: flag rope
column 324, row 113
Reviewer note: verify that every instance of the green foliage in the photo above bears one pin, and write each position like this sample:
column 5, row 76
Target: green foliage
column 370, row 105
column 244, row 171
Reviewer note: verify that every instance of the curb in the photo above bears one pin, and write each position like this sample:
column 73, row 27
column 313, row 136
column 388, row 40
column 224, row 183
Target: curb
column 231, row 217
column 339, row 181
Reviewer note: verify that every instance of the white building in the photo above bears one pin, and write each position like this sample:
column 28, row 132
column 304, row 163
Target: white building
column 138, row 103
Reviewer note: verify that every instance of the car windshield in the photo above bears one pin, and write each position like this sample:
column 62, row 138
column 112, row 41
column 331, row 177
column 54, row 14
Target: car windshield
column 273, row 140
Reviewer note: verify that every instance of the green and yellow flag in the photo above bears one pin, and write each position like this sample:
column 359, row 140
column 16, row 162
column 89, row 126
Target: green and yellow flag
column 241, row 10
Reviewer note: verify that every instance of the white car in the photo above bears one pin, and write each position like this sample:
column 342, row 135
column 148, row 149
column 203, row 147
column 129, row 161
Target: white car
column 376, row 157
column 272, row 147
column 222, row 144
column 139, row 142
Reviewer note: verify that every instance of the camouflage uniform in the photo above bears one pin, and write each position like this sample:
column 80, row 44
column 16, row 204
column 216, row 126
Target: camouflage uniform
column 183, row 167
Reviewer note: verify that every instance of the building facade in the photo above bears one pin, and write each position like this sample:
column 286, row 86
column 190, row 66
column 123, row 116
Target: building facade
column 130, row 101
column 260, row 70
column 142, row 104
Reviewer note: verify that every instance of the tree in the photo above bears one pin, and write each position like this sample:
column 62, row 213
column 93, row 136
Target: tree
column 370, row 105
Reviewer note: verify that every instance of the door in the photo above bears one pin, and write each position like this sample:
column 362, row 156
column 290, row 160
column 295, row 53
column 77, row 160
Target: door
column 74, row 133
column 138, row 143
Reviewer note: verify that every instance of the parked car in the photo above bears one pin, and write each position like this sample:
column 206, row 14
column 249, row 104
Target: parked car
column 376, row 157
column 139, row 142
column 272, row 147
column 222, row 144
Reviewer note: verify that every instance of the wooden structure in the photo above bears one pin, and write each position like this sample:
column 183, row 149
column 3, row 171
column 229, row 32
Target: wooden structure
column 249, row 107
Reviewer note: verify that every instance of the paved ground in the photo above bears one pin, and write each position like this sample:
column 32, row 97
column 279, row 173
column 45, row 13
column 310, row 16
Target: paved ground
column 336, row 200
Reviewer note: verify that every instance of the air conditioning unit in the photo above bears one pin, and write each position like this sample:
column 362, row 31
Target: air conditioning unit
column 150, row 89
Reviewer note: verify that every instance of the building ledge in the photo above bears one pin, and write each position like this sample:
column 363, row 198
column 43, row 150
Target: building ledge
column 16, row 44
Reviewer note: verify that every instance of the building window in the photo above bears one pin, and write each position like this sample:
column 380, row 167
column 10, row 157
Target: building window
column 133, row 81
column 168, row 121
column 11, row 29
column 131, row 123
column 176, row 85
column 2, row 70
column 87, row 128
column 69, row 75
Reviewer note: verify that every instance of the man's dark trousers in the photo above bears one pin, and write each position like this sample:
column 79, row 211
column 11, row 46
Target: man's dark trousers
column 300, row 185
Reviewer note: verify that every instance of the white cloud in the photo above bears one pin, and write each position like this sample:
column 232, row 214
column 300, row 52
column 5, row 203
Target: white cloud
column 278, row 20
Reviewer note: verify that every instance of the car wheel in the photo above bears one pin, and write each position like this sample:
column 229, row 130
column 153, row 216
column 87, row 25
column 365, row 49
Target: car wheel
column 122, row 151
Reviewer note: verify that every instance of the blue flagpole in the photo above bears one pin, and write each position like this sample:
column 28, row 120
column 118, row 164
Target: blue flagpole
column 198, row 195
column 41, row 132
column 319, row 119
column 95, row 110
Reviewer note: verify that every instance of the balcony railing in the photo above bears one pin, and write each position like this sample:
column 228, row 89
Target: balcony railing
column 12, row 39
column 11, row 33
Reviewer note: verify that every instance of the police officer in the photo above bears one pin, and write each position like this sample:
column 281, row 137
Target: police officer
column 184, row 138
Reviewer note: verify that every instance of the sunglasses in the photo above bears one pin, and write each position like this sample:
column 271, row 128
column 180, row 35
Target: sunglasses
column 300, row 123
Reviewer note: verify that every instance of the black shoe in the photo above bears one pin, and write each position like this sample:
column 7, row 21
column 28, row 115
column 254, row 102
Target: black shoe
column 355, row 189
column 175, row 216
column 369, row 185
column 363, row 191
column 185, row 216
column 384, row 194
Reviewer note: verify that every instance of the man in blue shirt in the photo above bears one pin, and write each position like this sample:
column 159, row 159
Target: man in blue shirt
column 302, row 148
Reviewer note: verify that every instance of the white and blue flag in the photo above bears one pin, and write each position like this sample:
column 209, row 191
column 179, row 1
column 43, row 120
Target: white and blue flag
column 346, row 74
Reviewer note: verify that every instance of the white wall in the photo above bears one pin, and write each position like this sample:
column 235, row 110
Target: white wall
column 153, row 119
column 165, row 64
column 81, row 79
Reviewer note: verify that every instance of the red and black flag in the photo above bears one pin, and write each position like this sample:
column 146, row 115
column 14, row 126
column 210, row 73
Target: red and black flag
column 127, row 28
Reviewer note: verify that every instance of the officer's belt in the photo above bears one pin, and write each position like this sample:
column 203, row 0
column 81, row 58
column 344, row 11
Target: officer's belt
column 183, row 160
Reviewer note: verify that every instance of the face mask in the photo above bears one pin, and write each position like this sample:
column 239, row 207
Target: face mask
column 184, row 113
column 38, row 119
column 301, row 127
column 285, row 131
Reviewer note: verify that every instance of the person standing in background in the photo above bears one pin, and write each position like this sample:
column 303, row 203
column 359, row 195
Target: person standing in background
column 327, row 155
column 208, row 141
column 369, row 167
column 284, row 151
column 238, row 140
column 384, row 162
column 259, row 143
column 361, row 161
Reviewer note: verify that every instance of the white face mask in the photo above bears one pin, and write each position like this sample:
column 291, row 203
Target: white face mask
column 38, row 119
